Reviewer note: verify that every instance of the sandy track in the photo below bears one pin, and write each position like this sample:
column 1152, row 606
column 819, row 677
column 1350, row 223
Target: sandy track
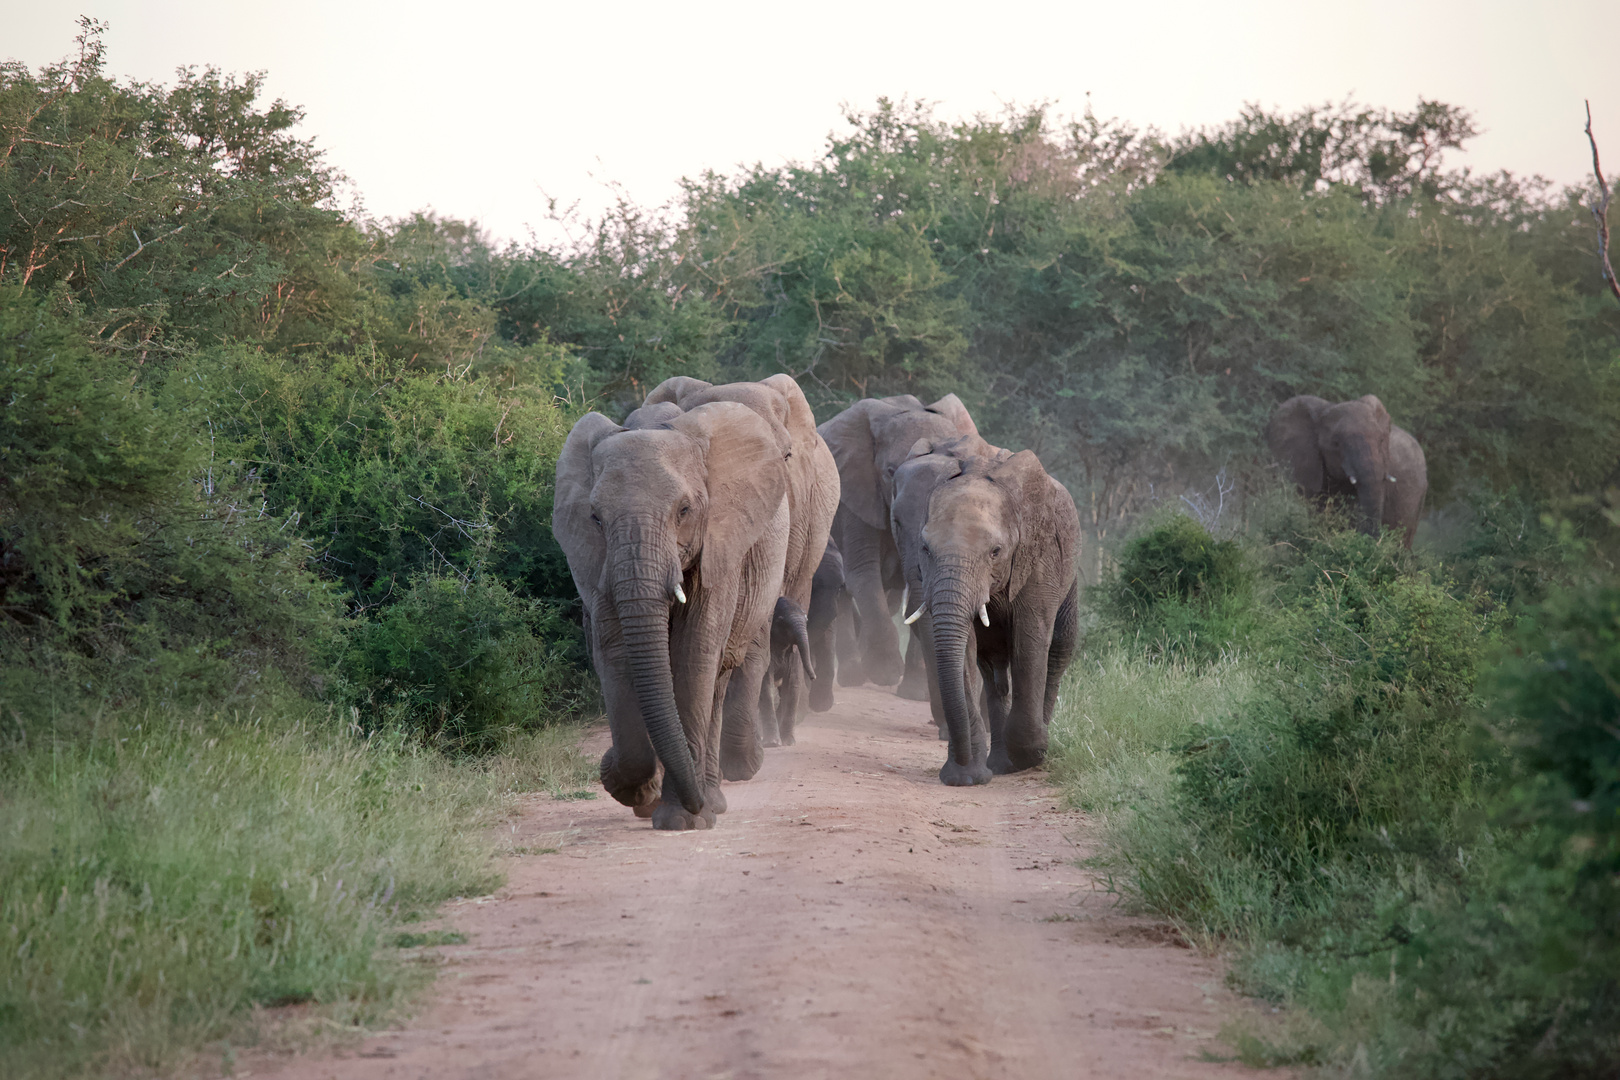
column 849, row 917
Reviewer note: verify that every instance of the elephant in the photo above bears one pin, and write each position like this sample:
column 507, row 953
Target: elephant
column 676, row 533
column 781, row 699
column 993, row 561
column 870, row 440
column 1351, row 451
column 826, row 591
column 813, row 492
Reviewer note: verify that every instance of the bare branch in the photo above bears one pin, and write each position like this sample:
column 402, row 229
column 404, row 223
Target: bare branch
column 1601, row 210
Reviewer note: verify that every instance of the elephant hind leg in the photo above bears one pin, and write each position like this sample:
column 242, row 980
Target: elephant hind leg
column 741, row 754
column 632, row 782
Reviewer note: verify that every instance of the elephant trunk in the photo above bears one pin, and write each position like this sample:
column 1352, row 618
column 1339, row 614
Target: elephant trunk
column 1365, row 469
column 950, row 609
column 800, row 627
column 641, row 594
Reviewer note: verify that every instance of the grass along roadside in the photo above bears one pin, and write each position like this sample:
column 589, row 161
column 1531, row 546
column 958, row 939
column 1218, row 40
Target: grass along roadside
column 168, row 874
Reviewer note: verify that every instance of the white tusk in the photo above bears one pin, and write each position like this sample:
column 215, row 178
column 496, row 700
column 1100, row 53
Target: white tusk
column 915, row 615
column 905, row 598
column 1391, row 479
column 1352, row 480
column 984, row 614
column 680, row 594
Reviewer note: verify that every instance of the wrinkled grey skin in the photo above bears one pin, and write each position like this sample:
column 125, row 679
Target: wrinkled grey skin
column 1351, row 452
column 812, row 496
column 997, row 534
column 826, row 589
column 686, row 503
column 870, row 440
column 781, row 699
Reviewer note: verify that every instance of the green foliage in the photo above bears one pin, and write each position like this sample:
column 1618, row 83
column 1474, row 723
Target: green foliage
column 396, row 472
column 1178, row 590
column 460, row 662
column 133, row 562
column 158, row 878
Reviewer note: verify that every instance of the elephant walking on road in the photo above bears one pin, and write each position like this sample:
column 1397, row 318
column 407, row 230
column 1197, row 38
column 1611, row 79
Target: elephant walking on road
column 1351, row 452
column 812, row 497
column 991, row 544
column 781, row 699
column 870, row 440
column 676, row 533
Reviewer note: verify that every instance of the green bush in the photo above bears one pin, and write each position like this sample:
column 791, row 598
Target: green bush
column 459, row 662
column 1179, row 590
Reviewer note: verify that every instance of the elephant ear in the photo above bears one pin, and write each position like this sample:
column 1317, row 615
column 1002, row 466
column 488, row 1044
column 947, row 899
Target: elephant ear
column 950, row 406
column 676, row 389
column 1046, row 514
column 854, row 448
column 921, row 448
column 1380, row 415
column 746, row 459
column 797, row 416
column 1291, row 434
column 571, row 521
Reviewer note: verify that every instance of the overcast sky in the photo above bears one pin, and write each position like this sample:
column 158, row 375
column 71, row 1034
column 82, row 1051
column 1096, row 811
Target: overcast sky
column 480, row 109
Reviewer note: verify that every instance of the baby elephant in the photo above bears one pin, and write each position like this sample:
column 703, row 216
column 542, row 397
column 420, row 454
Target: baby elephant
column 790, row 653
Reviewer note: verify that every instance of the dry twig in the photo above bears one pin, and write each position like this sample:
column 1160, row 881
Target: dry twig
column 1601, row 210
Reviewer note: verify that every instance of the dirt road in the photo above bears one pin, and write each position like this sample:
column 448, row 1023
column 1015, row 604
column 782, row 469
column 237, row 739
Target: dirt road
column 848, row 917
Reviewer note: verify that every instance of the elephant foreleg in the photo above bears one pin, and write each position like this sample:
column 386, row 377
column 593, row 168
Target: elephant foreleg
column 1024, row 739
column 863, row 575
column 846, row 636
column 789, row 697
column 741, row 754
column 1065, row 632
column 914, row 685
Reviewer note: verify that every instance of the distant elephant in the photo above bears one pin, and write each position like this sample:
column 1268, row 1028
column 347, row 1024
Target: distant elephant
column 781, row 699
column 813, row 488
column 826, row 588
column 1351, row 451
column 676, row 533
column 993, row 563
column 870, row 440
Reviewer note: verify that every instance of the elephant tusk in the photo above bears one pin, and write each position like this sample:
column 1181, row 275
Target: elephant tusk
column 984, row 614
column 1352, row 481
column 680, row 593
column 1391, row 479
column 915, row 615
column 905, row 597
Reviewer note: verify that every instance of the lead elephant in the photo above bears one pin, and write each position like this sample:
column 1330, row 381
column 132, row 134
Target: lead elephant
column 1351, row 452
column 870, row 440
column 994, row 561
column 676, row 532
column 812, row 497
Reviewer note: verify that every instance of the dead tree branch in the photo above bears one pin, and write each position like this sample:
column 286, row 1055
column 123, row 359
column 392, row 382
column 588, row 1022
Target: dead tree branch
column 1601, row 210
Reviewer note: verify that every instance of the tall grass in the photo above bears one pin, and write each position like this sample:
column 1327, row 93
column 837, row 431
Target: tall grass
column 163, row 876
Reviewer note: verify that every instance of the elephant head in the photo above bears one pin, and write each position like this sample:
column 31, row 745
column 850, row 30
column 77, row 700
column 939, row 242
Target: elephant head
column 1000, row 539
column 1352, row 451
column 658, row 522
column 790, row 628
column 870, row 440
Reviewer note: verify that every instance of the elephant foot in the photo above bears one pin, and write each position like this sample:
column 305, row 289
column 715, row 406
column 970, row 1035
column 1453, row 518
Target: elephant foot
column 886, row 672
column 714, row 799
column 673, row 817
column 821, row 695
column 944, row 734
column 644, row 810
column 741, row 764
column 851, row 675
column 912, row 688
column 631, row 790
column 1004, row 760
column 768, row 740
column 787, row 739
column 954, row 775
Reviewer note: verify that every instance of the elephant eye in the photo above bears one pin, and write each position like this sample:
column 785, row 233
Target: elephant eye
column 594, row 519
column 925, row 550
column 686, row 508
column 995, row 553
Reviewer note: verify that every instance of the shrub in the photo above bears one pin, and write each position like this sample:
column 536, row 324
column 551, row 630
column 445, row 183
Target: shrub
column 460, row 661
column 1179, row 590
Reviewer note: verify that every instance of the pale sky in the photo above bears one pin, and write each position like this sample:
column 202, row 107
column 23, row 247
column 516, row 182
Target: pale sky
column 480, row 109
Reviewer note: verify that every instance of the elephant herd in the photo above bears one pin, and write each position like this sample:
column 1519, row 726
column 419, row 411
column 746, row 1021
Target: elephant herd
column 733, row 559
